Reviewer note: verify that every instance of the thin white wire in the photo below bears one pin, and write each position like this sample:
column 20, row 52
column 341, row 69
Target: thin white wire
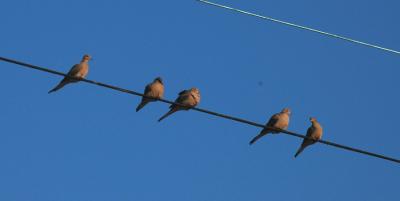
column 301, row 27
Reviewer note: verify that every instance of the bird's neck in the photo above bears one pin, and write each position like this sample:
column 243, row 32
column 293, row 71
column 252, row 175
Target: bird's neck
column 316, row 124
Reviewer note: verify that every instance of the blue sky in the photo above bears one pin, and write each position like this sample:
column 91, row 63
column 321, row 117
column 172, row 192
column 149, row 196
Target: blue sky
column 88, row 143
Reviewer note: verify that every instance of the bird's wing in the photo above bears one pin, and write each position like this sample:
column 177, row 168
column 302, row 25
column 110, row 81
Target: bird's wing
column 75, row 70
column 182, row 92
column 310, row 131
column 188, row 99
column 273, row 120
column 181, row 98
column 147, row 90
column 309, row 134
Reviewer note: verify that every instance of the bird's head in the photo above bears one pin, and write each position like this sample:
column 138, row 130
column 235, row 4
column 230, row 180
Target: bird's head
column 86, row 57
column 159, row 79
column 313, row 119
column 287, row 111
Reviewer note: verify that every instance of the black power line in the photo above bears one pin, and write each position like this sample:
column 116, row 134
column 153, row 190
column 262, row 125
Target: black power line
column 203, row 110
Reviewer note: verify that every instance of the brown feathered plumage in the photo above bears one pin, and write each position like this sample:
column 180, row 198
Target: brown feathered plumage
column 78, row 71
column 279, row 120
column 154, row 90
column 314, row 132
column 189, row 98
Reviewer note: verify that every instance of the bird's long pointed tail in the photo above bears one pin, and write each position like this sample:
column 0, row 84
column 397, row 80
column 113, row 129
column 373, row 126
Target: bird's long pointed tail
column 299, row 150
column 59, row 86
column 167, row 114
column 141, row 105
column 262, row 133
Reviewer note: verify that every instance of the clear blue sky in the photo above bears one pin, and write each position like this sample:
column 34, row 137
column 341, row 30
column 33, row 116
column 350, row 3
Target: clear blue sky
column 88, row 143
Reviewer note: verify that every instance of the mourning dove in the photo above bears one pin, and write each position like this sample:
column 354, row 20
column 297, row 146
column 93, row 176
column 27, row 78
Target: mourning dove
column 314, row 132
column 154, row 90
column 279, row 120
column 79, row 71
column 190, row 98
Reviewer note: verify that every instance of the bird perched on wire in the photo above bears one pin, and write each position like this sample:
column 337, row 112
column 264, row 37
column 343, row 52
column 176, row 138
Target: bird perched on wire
column 153, row 91
column 78, row 71
column 189, row 98
column 279, row 120
column 314, row 132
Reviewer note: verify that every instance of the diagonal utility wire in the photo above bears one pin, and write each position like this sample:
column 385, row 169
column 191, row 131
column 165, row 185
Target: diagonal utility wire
column 203, row 110
column 301, row 27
